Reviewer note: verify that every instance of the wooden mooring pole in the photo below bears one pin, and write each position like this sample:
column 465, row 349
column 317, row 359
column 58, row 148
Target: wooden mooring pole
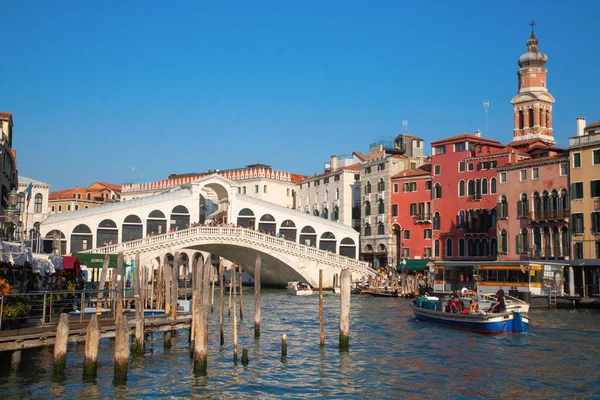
column 231, row 273
column 138, row 344
column 167, row 277
column 222, row 301
column 175, row 284
column 345, row 283
column 235, row 327
column 92, row 340
column 120, row 285
column 283, row 347
column 202, row 310
column 121, row 350
column 321, row 325
column 212, row 282
column 241, row 297
column 257, row 265
column 60, row 345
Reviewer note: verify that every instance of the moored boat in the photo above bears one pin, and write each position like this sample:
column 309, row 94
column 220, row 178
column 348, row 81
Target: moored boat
column 299, row 289
column 381, row 293
column 426, row 309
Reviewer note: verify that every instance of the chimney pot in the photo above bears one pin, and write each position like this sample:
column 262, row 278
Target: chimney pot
column 580, row 125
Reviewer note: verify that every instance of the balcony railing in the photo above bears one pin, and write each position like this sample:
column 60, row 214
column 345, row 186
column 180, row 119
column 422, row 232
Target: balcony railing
column 422, row 218
column 548, row 252
column 475, row 197
column 549, row 215
column 584, row 140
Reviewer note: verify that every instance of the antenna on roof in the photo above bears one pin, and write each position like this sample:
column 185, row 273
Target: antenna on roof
column 486, row 105
column 404, row 124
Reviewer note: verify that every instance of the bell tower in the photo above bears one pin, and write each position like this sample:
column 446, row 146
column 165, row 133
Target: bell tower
column 533, row 102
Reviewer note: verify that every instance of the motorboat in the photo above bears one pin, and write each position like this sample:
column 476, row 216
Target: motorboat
column 428, row 309
column 512, row 303
column 299, row 289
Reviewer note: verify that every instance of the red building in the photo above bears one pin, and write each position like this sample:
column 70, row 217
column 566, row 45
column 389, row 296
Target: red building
column 465, row 196
column 411, row 214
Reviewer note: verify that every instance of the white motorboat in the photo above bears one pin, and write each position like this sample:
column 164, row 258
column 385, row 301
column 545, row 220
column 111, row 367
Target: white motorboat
column 299, row 289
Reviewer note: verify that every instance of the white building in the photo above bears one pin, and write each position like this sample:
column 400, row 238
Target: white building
column 36, row 211
column 335, row 194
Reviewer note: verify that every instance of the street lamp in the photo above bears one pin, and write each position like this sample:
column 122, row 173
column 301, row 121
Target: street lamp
column 12, row 215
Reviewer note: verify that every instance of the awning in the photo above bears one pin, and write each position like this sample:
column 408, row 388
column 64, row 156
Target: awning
column 414, row 265
column 95, row 260
column 71, row 263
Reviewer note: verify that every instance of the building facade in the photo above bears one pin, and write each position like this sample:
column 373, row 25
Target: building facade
column 411, row 214
column 34, row 211
column 584, row 159
column 387, row 157
column 96, row 194
column 9, row 175
column 334, row 194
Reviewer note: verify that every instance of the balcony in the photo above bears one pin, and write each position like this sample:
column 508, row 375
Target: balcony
column 475, row 197
column 549, row 215
column 585, row 140
column 422, row 218
column 548, row 252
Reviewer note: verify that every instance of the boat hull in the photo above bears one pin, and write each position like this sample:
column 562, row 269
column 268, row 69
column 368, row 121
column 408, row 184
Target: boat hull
column 508, row 322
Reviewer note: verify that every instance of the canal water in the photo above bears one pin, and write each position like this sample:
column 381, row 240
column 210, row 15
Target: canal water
column 390, row 356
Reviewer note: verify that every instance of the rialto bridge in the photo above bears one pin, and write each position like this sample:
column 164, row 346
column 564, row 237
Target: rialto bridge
column 210, row 215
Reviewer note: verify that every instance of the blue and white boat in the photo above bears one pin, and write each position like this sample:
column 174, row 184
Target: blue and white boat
column 513, row 320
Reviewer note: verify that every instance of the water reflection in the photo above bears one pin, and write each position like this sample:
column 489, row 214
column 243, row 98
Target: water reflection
column 390, row 356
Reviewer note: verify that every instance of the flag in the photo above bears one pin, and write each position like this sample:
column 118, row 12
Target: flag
column 27, row 193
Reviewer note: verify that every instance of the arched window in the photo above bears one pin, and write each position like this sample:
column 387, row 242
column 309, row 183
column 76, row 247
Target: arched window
column 436, row 221
column 381, row 207
column 542, row 119
column 381, row 185
column 367, row 230
column 470, row 251
column 461, row 188
column 503, row 241
column 471, row 187
column 521, row 120
column 537, row 205
column 503, row 211
column 461, row 247
column 484, row 245
column 368, row 187
column 493, row 186
column 436, row 248
column 437, row 191
column 461, row 219
column 448, row 247
column 380, row 229
column 89, row 196
column 548, row 121
column 564, row 203
column 37, row 205
column 337, row 193
column 484, row 186
column 545, row 202
column 367, row 208
column 523, row 206
column 493, row 247
column 530, row 114
column 554, row 202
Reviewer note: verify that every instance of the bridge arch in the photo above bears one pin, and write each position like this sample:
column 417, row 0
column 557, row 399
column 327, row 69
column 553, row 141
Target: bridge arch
column 107, row 232
column 246, row 218
column 132, row 228
column 81, row 238
column 328, row 242
column 156, row 223
column 59, row 241
column 308, row 236
column 288, row 230
column 267, row 224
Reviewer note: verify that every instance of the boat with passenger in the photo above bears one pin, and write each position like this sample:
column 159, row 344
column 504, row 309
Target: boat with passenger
column 299, row 289
column 454, row 314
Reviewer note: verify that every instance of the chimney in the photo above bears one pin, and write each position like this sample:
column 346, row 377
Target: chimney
column 334, row 163
column 580, row 125
column 478, row 133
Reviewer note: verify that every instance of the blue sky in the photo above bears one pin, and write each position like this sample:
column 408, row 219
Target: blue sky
column 117, row 91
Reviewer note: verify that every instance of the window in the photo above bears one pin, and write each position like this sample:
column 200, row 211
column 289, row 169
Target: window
column 576, row 160
column 394, row 210
column 413, row 209
column 381, row 207
column 427, row 185
column 577, row 190
column 437, row 192
column 265, row 189
column 502, row 177
column 564, row 169
column 255, row 188
column 68, row 207
column 448, row 247
column 503, row 242
column 523, row 207
column 578, row 250
column 461, row 247
column 470, row 166
column 461, row 188
column 244, row 189
column 436, row 247
column 437, row 169
column 406, row 234
column 367, row 230
column 21, row 202
column 535, row 173
column 595, row 188
column 503, row 208
column 59, row 208
column 427, row 252
column 395, row 188
column 427, row 234
column 523, row 175
column 436, row 221
column 52, row 208
column 595, row 223
column 596, row 157
column 461, row 166
column 577, row 224
column 368, row 208
column 471, row 187
column 484, row 186
column 440, row 150
column 74, row 196
column 76, row 207
column 380, row 229
column 493, row 186
column 459, row 147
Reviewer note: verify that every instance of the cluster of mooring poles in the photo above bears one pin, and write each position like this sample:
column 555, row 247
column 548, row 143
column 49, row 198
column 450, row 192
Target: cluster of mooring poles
column 202, row 305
